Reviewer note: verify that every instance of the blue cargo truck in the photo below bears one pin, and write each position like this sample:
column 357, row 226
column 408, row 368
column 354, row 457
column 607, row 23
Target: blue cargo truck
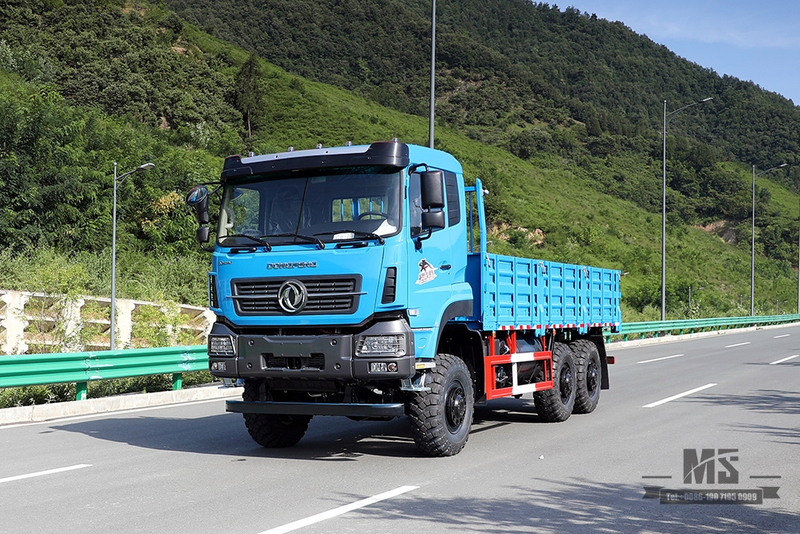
column 356, row 281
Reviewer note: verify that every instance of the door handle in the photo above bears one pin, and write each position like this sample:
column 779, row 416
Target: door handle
column 445, row 267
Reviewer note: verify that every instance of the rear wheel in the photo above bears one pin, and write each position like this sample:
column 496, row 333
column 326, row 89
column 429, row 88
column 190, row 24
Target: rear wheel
column 556, row 404
column 441, row 418
column 271, row 430
column 589, row 375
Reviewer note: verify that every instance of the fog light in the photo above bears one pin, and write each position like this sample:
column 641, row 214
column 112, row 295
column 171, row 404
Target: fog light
column 218, row 366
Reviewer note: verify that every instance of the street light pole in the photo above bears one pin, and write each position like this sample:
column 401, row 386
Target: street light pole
column 664, row 216
column 753, row 242
column 433, row 72
column 667, row 116
column 753, row 250
column 118, row 180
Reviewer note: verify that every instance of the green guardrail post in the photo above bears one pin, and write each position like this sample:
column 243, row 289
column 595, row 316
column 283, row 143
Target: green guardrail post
column 177, row 381
column 81, row 390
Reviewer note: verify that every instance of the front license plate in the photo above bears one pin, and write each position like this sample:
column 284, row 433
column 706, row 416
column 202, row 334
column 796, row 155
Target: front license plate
column 378, row 367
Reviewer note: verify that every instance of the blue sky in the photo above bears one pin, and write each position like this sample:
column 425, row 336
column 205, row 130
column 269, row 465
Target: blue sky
column 756, row 41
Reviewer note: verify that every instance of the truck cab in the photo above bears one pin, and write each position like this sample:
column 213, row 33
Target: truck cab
column 347, row 258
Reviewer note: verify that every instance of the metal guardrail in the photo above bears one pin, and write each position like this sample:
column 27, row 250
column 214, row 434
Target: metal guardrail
column 83, row 367
column 688, row 326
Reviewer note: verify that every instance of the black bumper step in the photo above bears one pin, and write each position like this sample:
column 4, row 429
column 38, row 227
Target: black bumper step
column 350, row 409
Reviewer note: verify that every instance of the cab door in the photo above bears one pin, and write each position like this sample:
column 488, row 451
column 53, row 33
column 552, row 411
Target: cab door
column 430, row 259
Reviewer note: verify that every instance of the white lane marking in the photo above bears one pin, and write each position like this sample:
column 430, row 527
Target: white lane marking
column 737, row 345
column 339, row 511
column 659, row 359
column 785, row 359
column 678, row 396
column 783, row 335
column 43, row 473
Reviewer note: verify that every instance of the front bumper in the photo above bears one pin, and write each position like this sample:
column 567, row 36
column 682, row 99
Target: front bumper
column 320, row 357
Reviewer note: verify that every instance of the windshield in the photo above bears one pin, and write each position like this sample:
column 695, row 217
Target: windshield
column 328, row 205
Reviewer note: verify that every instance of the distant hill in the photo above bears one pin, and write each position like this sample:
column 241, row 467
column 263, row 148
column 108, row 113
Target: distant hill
column 558, row 112
column 506, row 65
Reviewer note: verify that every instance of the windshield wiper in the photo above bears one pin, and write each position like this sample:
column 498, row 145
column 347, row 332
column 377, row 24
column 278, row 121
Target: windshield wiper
column 358, row 233
column 308, row 239
column 258, row 240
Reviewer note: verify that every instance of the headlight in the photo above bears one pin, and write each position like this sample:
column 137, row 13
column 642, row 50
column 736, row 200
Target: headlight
column 221, row 346
column 383, row 345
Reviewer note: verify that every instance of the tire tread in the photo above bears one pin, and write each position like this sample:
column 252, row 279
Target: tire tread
column 426, row 409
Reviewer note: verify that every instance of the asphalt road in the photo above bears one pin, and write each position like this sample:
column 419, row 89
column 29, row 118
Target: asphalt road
column 192, row 468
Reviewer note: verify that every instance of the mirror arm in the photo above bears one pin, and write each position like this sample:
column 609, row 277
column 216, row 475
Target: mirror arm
column 421, row 237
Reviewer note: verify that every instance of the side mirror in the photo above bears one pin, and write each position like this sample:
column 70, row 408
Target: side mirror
column 432, row 189
column 203, row 234
column 197, row 199
column 432, row 199
column 433, row 220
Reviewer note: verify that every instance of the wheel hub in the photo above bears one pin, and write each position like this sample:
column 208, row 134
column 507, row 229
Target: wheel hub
column 565, row 384
column 591, row 378
column 455, row 407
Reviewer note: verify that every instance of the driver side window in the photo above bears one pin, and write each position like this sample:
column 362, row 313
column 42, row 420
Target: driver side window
column 415, row 205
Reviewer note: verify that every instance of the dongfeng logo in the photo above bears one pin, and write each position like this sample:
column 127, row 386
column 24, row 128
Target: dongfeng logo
column 292, row 296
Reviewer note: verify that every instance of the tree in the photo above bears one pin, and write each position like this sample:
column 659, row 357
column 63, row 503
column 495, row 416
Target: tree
column 248, row 91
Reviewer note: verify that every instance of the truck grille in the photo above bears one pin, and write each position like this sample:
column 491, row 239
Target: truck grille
column 326, row 295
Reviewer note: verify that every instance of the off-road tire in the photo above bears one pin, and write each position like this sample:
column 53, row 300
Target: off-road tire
column 441, row 418
column 269, row 430
column 556, row 404
column 588, row 374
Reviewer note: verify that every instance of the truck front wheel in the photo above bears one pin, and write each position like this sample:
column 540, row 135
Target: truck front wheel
column 556, row 404
column 441, row 418
column 269, row 430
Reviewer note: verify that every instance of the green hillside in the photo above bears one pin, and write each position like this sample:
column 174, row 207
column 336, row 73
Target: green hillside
column 570, row 153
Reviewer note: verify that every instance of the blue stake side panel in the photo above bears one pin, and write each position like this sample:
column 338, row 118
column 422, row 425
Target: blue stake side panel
column 525, row 294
